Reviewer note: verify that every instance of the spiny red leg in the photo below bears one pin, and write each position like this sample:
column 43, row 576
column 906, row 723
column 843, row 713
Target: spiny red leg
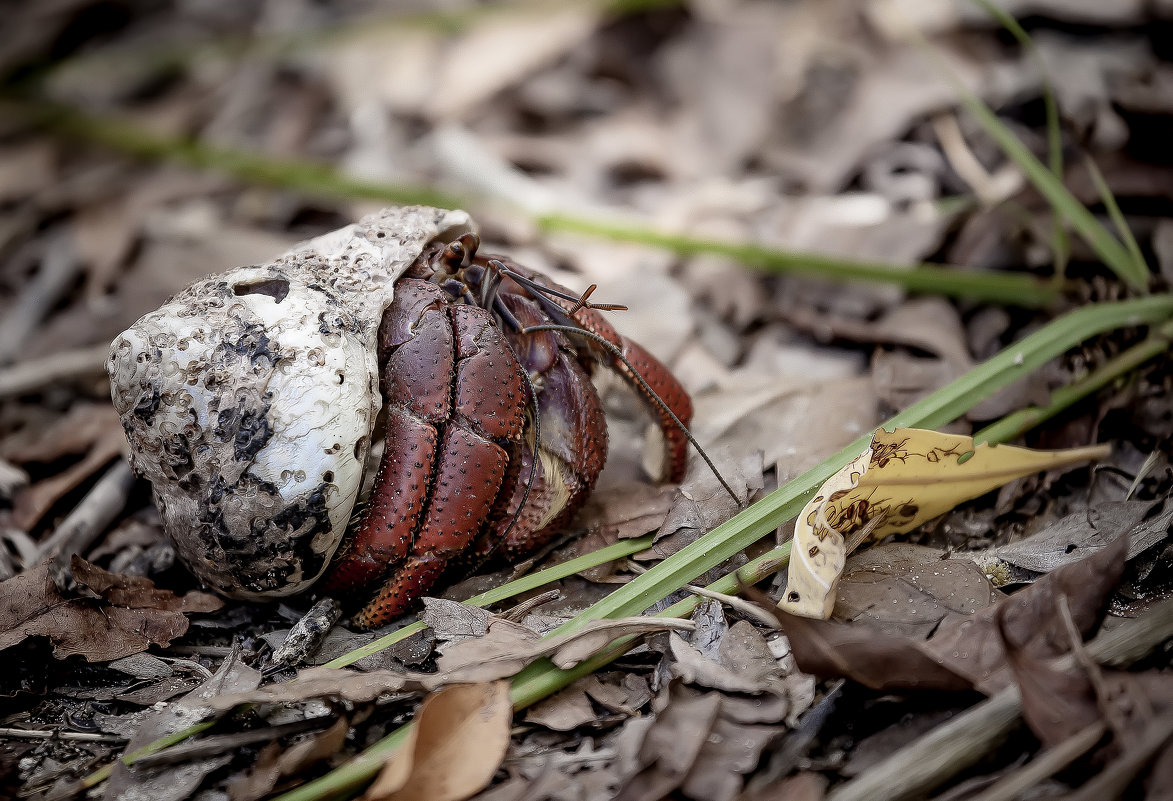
column 469, row 473
column 661, row 381
column 655, row 376
column 487, row 412
column 417, row 349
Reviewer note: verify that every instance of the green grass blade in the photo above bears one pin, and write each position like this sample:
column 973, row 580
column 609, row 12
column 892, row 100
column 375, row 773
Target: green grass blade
column 516, row 587
column 1114, row 213
column 323, row 180
column 1060, row 244
column 1115, row 256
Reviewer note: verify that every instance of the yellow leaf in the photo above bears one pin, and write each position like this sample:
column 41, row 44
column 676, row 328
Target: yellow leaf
column 454, row 748
column 905, row 478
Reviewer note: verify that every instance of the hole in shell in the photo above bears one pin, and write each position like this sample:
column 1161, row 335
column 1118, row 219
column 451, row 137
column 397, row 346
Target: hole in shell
column 276, row 288
column 360, row 448
column 328, row 476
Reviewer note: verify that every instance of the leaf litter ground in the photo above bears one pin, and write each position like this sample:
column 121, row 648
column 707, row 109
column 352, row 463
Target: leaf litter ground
column 809, row 126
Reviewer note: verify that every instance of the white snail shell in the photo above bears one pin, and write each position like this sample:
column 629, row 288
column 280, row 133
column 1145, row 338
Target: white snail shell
column 249, row 400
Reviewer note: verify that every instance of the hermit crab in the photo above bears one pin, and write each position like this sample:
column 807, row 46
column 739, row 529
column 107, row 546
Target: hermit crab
column 250, row 402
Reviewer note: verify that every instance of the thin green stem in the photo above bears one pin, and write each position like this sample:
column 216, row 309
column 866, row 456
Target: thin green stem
column 1007, row 288
column 323, row 180
column 1017, row 423
column 1061, row 246
column 512, row 589
column 103, row 773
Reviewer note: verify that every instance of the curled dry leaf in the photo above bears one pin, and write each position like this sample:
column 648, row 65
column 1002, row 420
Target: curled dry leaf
column 906, row 477
column 129, row 614
column 454, row 748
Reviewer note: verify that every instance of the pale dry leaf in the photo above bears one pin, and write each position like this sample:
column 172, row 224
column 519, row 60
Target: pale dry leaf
column 333, row 683
column 903, row 479
column 1075, row 536
column 454, row 748
column 453, row 621
column 564, row 711
column 508, row 647
column 796, row 422
column 466, row 76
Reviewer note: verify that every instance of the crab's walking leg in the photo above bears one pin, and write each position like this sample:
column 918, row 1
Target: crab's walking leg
column 650, row 377
column 455, row 400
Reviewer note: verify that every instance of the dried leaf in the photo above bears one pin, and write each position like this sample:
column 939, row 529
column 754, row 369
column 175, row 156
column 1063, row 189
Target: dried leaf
column 907, row 589
column 506, row 648
column 454, row 748
column 903, row 479
column 966, row 650
column 130, row 615
column 563, row 711
column 277, row 761
column 176, row 782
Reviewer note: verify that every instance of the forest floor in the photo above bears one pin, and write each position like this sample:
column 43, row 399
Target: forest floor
column 809, row 220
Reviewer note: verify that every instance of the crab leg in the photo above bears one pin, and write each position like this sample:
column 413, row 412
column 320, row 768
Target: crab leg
column 455, row 399
column 647, row 374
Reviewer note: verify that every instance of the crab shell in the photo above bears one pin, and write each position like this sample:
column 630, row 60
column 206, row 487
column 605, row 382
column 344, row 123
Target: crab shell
column 249, row 400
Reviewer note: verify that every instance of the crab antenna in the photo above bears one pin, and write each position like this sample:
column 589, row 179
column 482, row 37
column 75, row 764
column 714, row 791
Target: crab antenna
column 646, row 387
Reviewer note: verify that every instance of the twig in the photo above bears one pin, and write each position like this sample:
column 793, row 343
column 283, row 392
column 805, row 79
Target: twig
column 926, row 763
column 1044, row 766
column 59, row 266
column 46, row 734
column 32, row 375
column 219, row 743
column 89, row 519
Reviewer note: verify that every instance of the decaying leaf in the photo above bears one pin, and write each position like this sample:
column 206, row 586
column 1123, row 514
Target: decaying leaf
column 454, row 748
column 906, row 588
column 506, row 649
column 903, row 479
column 692, row 744
column 965, row 650
column 176, row 782
column 277, row 761
column 128, row 615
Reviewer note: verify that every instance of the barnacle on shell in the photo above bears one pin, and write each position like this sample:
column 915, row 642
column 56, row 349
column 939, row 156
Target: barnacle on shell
column 249, row 400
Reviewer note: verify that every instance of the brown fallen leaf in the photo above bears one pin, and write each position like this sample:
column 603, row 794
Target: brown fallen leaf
column 277, row 761
column 966, row 651
column 128, row 615
column 454, row 748
column 904, row 588
column 507, row 647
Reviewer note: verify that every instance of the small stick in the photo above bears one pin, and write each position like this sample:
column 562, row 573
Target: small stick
column 59, row 266
column 1043, row 766
column 77, row 736
column 33, row 375
column 89, row 519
